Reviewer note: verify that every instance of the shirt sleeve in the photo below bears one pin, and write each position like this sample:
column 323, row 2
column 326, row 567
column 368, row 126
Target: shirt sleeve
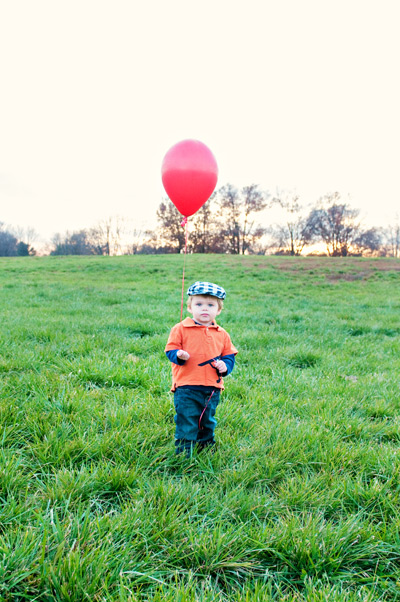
column 229, row 362
column 175, row 339
column 172, row 355
column 229, row 348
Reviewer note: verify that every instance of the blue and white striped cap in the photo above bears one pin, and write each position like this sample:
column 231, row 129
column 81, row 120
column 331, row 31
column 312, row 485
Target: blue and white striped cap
column 207, row 288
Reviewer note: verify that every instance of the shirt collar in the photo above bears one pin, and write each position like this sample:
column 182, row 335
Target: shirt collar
column 189, row 322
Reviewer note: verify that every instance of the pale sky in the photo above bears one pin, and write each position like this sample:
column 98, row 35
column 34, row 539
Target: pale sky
column 288, row 94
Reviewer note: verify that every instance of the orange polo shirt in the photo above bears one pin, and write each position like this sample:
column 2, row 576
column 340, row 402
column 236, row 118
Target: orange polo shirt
column 203, row 343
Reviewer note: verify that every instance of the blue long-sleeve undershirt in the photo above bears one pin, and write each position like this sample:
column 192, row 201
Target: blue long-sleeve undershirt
column 229, row 361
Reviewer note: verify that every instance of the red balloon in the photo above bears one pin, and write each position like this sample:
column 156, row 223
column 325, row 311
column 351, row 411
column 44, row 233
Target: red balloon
column 189, row 174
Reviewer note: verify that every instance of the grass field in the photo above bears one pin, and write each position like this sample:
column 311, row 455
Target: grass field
column 300, row 501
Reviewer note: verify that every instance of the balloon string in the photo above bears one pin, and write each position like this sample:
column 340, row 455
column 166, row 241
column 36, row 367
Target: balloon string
column 184, row 224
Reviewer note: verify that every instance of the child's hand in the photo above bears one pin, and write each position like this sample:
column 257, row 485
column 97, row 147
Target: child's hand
column 183, row 355
column 220, row 366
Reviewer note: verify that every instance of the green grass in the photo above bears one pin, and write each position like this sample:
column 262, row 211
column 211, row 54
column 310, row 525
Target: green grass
column 301, row 500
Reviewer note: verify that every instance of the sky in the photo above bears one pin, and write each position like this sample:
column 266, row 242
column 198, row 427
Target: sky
column 289, row 95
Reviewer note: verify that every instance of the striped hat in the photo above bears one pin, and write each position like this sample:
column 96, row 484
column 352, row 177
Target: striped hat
column 207, row 288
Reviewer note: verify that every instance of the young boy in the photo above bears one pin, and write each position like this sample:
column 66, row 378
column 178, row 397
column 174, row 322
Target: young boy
column 201, row 353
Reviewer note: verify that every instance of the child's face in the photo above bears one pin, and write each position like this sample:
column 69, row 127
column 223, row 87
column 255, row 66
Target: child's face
column 204, row 309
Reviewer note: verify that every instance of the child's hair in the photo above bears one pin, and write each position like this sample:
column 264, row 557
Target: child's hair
column 219, row 301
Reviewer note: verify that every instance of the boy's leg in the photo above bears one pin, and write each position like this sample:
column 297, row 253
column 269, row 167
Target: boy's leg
column 188, row 409
column 205, row 436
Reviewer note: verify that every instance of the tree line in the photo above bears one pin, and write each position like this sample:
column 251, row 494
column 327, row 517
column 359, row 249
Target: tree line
column 16, row 243
column 228, row 223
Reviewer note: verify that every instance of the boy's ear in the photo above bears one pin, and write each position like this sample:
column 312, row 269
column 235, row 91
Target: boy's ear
column 190, row 309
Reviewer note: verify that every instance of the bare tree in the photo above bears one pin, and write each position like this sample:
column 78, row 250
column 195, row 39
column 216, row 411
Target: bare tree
column 253, row 201
column 225, row 224
column 172, row 234
column 205, row 234
column 334, row 223
column 100, row 240
column 368, row 242
column 294, row 234
column 118, row 233
column 107, row 236
column 237, row 210
column 75, row 243
column 229, row 203
column 392, row 238
column 136, row 239
column 28, row 235
column 16, row 241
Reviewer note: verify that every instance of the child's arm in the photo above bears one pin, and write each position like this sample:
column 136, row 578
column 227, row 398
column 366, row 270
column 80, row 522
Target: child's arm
column 173, row 348
column 177, row 356
column 225, row 365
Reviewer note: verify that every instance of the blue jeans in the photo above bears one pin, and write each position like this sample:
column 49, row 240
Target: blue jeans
column 195, row 418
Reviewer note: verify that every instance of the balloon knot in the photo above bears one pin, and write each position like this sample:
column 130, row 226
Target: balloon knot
column 184, row 222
